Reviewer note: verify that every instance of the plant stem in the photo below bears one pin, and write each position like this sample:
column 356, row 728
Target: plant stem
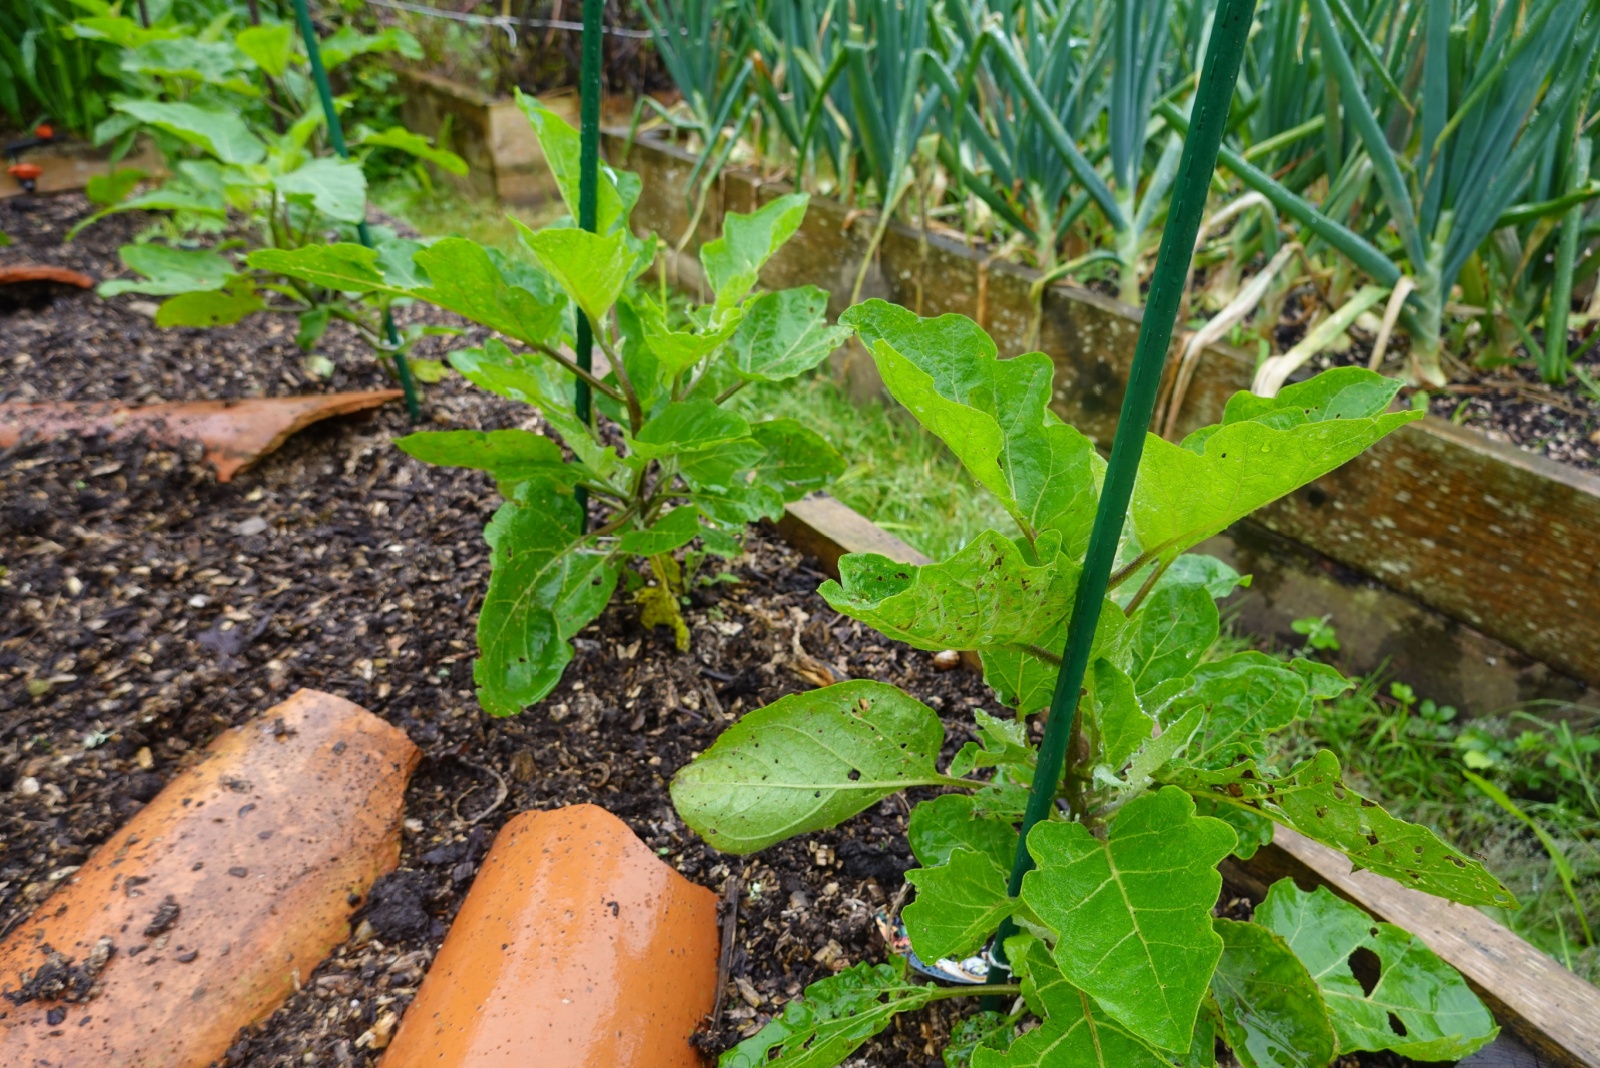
column 731, row 390
column 987, row 990
column 584, row 376
column 629, row 397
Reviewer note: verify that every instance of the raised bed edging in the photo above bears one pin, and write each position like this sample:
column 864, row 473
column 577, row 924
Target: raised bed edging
column 1489, row 534
column 1547, row 1008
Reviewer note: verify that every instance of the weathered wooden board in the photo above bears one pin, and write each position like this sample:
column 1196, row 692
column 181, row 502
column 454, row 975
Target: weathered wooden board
column 68, row 166
column 1488, row 534
column 1550, row 1010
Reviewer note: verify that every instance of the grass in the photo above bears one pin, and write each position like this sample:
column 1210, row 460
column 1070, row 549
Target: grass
column 1410, row 754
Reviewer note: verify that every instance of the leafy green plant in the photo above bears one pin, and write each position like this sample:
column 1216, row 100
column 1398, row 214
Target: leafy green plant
column 672, row 463
column 1168, row 773
column 45, row 72
column 237, row 116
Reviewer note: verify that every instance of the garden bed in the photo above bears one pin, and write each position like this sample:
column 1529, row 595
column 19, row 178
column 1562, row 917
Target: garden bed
column 1487, row 533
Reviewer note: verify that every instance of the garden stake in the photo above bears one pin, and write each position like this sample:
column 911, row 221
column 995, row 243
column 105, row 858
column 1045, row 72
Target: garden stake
column 1210, row 118
column 588, row 196
column 319, row 74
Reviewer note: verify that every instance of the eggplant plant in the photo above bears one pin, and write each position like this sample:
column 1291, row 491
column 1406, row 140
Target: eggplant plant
column 236, row 113
column 670, row 464
column 1118, row 956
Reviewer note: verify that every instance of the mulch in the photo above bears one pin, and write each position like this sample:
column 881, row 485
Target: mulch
column 144, row 608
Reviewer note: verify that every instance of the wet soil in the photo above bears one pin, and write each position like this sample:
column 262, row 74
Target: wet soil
column 144, row 608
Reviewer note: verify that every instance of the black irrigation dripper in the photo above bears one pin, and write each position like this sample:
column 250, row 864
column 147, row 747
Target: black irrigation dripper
column 1229, row 33
column 319, row 74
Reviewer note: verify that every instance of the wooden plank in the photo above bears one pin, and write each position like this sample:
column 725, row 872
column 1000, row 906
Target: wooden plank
column 1548, row 1009
column 823, row 527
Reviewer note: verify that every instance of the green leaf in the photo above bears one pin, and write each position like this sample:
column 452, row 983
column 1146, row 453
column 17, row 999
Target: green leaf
column 720, row 478
column 313, row 323
column 1340, row 393
column 986, row 594
column 784, row 334
column 1001, row 743
column 1026, row 681
column 1186, row 493
column 538, row 381
column 676, row 351
column 808, row 761
column 335, row 187
column 561, row 144
column 992, row 413
column 958, row 905
column 592, row 269
column 985, row 1029
column 688, row 426
column 1323, row 683
column 347, row 42
column 1124, row 726
column 733, row 261
column 949, row 822
column 399, row 137
column 798, row 460
column 833, row 1018
column 1077, row 1033
column 1161, row 750
column 511, row 456
column 1246, row 696
column 217, row 62
column 546, row 584
column 344, row 267
column 169, row 270
column 104, row 190
column 218, row 307
column 268, row 45
column 222, row 134
column 1170, row 634
column 1313, row 799
column 511, row 298
column 1253, row 829
column 673, row 531
column 428, row 371
column 1271, row 1009
column 1441, row 1019
column 1132, row 913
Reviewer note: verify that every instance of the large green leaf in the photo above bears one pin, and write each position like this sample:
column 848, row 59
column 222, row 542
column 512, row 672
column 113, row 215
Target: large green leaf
column 223, row 134
column 992, row 413
column 561, row 146
column 592, row 269
column 958, row 906
column 511, row 456
column 513, row 299
column 347, row 268
column 1271, row 1009
column 1170, row 633
column 1440, row 1018
column 721, row 481
column 538, row 381
column 1313, row 799
column 798, row 460
column 398, row 137
column 673, row 531
column 1246, row 696
column 217, row 62
column 335, row 187
column 808, row 761
column 688, row 426
column 267, row 45
column 1023, row 679
column 546, row 584
column 834, row 1017
column 733, row 261
column 1132, row 912
column 169, row 270
column 949, row 822
column 211, row 307
column 986, row 594
column 784, row 334
column 1186, row 493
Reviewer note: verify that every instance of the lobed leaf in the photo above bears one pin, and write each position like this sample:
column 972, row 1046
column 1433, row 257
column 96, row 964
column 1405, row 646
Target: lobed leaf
column 950, row 822
column 1271, row 1009
column 784, row 334
column 798, row 460
column 1246, row 696
column 808, row 761
column 1440, row 1018
column 831, row 1020
column 958, row 905
column 1132, row 912
column 733, row 261
column 511, row 298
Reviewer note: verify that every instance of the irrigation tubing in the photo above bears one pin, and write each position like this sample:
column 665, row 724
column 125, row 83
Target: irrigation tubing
column 319, row 74
column 1209, row 120
column 588, row 191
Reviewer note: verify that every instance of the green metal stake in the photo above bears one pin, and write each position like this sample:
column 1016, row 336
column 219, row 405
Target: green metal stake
column 588, row 189
column 1210, row 117
column 319, row 74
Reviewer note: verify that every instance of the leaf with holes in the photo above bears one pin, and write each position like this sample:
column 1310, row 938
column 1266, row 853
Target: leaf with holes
column 808, row 761
column 831, row 1019
column 1398, row 996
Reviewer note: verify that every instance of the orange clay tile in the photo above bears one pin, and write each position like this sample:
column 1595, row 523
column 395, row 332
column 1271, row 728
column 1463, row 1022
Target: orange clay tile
column 236, row 433
column 41, row 272
column 217, row 897
column 576, row 948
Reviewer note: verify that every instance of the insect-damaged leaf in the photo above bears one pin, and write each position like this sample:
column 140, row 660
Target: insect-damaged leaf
column 992, row 413
column 834, row 1017
column 808, row 761
column 1186, row 493
column 1313, row 799
column 1132, row 912
column 546, row 584
column 959, row 904
column 1272, row 1011
column 784, row 334
column 1439, row 1017
column 986, row 594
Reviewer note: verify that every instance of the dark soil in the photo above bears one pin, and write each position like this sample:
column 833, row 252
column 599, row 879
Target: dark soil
column 144, row 608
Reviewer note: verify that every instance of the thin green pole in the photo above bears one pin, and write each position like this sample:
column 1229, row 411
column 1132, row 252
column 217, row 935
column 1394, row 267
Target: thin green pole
column 1210, row 117
column 588, row 186
column 319, row 74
